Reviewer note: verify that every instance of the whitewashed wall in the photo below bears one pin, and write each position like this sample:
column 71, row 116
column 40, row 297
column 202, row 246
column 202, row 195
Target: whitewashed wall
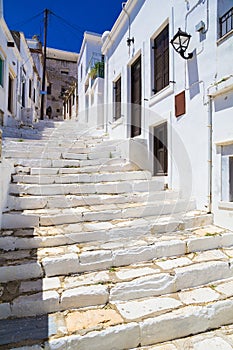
column 12, row 60
column 87, row 113
column 188, row 135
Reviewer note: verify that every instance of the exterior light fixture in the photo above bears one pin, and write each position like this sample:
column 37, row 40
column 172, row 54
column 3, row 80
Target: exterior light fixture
column 129, row 41
column 180, row 43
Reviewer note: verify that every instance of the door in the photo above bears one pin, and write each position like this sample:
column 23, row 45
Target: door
column 160, row 150
column 136, row 95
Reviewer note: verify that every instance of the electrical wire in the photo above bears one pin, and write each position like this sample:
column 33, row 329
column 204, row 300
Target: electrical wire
column 77, row 28
column 28, row 20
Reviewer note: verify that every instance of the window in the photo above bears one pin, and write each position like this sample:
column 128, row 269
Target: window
column 117, row 98
column 49, row 89
column 10, row 94
column 23, row 94
column 81, row 72
column 30, row 89
column 1, row 71
column 226, row 22
column 34, row 95
column 64, row 72
column 231, row 178
column 161, row 60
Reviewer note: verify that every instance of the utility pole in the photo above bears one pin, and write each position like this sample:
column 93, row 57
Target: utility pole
column 46, row 14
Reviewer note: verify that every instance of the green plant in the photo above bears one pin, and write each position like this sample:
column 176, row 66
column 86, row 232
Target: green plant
column 112, row 269
column 97, row 70
column 20, row 140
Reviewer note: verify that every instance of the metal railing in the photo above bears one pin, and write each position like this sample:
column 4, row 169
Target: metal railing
column 226, row 23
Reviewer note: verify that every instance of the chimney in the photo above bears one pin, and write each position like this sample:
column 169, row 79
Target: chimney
column 1, row 8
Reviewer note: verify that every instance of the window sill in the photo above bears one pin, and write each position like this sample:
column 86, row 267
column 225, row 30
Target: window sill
column 225, row 205
column 167, row 91
column 224, row 37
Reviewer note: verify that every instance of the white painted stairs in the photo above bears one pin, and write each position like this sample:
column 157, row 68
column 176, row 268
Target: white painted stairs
column 95, row 254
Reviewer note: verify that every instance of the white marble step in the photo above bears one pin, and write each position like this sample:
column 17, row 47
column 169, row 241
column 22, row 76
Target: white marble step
column 116, row 187
column 125, row 286
column 51, row 217
column 76, row 259
column 60, row 155
column 72, row 201
column 113, row 234
column 63, row 163
column 181, row 312
column 82, row 178
column 120, row 165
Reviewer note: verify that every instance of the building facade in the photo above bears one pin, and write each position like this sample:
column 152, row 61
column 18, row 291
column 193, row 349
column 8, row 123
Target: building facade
column 20, row 78
column 175, row 114
column 10, row 61
column 91, row 80
column 62, row 84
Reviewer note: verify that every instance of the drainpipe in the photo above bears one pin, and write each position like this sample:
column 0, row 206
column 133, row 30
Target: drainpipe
column 210, row 150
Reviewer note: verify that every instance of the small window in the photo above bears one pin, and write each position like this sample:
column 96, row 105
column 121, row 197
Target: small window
column 49, row 89
column 34, row 95
column 226, row 22
column 64, row 72
column 81, row 72
column 30, row 89
column 117, row 99
column 231, row 178
column 10, row 94
column 161, row 60
column 58, row 110
column 1, row 71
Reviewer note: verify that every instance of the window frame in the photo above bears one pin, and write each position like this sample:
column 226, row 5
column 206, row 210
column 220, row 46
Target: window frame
column 222, row 21
column 117, row 98
column 2, row 71
column 156, row 40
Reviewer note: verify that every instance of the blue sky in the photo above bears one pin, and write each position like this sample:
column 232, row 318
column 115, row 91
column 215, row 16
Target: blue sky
column 79, row 15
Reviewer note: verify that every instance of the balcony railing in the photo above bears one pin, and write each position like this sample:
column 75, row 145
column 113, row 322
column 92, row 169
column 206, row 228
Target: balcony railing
column 226, row 23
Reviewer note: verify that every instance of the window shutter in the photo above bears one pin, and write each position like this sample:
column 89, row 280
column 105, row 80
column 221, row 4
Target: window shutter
column 161, row 60
column 180, row 106
column 117, row 99
column 1, row 72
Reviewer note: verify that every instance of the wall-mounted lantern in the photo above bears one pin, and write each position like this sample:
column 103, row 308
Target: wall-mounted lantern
column 180, row 43
column 129, row 41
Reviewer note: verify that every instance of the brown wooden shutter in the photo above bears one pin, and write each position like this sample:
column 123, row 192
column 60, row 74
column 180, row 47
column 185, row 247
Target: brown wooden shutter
column 161, row 60
column 180, row 105
column 117, row 99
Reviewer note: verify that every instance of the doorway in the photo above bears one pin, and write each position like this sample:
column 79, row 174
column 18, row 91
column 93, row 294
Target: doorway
column 136, row 96
column 160, row 150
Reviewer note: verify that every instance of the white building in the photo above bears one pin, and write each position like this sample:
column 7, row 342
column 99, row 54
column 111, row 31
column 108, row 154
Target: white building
column 91, row 81
column 175, row 114
column 28, row 82
column 20, row 78
column 9, row 70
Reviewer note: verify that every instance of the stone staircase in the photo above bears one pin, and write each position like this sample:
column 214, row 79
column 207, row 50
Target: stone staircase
column 95, row 254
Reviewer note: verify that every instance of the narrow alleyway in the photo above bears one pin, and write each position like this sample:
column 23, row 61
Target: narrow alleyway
column 96, row 254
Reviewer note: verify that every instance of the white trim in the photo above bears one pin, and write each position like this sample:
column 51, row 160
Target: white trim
column 225, row 205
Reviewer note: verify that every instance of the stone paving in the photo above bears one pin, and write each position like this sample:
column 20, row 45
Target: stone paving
column 95, row 254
